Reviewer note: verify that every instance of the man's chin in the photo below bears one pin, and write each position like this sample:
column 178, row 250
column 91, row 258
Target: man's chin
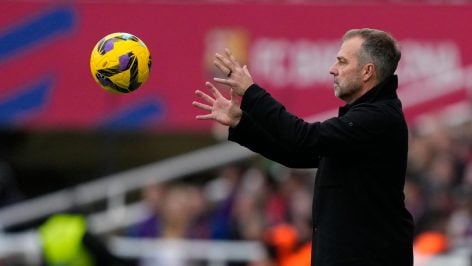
column 337, row 92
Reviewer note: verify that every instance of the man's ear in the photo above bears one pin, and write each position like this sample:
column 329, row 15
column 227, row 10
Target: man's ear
column 368, row 72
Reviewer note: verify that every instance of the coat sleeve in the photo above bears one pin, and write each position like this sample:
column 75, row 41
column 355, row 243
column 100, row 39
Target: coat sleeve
column 358, row 130
column 249, row 134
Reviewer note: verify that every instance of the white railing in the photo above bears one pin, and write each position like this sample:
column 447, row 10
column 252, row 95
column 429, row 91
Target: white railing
column 25, row 249
column 216, row 253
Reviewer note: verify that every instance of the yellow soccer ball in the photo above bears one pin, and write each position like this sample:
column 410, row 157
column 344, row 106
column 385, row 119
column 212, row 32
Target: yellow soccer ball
column 120, row 62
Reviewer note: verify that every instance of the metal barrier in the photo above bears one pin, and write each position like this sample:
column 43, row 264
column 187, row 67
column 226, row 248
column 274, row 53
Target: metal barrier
column 169, row 252
column 25, row 249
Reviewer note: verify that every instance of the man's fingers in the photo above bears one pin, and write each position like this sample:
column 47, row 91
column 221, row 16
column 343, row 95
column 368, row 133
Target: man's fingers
column 231, row 58
column 224, row 60
column 213, row 90
column 228, row 60
column 204, row 117
column 202, row 106
column 204, row 96
column 221, row 66
column 227, row 82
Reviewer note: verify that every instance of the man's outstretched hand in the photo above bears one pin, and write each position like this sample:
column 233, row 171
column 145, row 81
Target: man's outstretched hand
column 237, row 77
column 224, row 111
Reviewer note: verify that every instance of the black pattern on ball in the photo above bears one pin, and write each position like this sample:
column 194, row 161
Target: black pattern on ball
column 103, row 75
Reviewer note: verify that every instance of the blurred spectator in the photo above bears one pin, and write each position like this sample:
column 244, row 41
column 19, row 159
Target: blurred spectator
column 248, row 214
column 199, row 213
column 175, row 213
column 221, row 193
column 289, row 243
column 429, row 244
column 153, row 196
column 415, row 200
column 459, row 227
column 66, row 242
column 286, row 247
column 438, row 182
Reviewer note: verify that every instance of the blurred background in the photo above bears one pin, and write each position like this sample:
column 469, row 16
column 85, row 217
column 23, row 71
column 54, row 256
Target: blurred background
column 93, row 178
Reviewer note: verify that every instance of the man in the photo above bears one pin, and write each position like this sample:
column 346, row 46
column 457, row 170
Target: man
column 358, row 209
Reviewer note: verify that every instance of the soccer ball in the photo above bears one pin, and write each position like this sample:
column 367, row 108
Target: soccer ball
column 120, row 62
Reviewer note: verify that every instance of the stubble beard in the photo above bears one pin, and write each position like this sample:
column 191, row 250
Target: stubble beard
column 348, row 91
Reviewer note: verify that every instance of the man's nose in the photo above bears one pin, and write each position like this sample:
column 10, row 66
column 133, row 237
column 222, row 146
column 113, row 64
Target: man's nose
column 332, row 70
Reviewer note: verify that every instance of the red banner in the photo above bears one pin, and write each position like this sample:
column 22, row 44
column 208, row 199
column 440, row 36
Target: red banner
column 45, row 51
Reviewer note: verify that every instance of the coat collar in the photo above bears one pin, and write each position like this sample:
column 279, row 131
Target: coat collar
column 382, row 91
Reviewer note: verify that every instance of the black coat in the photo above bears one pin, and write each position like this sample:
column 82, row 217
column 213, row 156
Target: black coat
column 358, row 209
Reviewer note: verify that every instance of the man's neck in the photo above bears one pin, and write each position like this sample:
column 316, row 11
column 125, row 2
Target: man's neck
column 366, row 87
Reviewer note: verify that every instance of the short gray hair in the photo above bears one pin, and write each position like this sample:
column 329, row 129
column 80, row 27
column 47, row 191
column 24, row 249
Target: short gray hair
column 380, row 48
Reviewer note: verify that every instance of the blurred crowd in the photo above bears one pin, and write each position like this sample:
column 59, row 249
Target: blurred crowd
column 438, row 186
column 243, row 202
